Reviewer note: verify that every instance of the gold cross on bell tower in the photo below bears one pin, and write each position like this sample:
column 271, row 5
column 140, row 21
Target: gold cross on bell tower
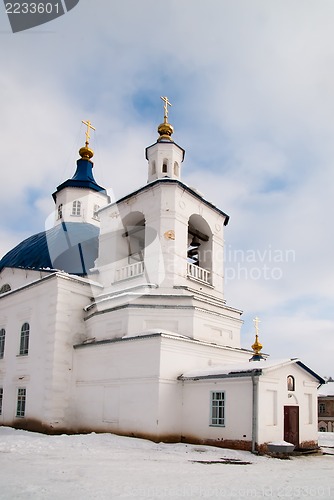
column 89, row 126
column 167, row 103
column 85, row 152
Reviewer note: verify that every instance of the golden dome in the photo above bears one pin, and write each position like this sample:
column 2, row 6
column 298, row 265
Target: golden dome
column 165, row 131
column 257, row 346
column 86, row 153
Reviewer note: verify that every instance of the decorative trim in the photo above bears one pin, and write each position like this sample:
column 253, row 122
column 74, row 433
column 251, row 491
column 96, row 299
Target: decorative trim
column 168, row 180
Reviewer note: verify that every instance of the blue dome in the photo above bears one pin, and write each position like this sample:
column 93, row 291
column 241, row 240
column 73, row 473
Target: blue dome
column 71, row 247
column 83, row 178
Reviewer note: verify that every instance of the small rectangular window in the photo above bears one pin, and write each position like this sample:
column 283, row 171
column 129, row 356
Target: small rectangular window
column 217, row 416
column 21, row 402
column 60, row 211
column 322, row 408
column 1, row 398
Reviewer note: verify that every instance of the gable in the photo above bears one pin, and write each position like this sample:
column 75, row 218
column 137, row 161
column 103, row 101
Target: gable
column 16, row 278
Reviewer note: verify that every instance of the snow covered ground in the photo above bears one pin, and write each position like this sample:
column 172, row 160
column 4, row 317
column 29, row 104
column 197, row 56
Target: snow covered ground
column 104, row 466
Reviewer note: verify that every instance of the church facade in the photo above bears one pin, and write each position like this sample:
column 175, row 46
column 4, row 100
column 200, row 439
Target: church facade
column 114, row 320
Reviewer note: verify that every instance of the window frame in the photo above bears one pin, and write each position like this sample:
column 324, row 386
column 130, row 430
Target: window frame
column 24, row 339
column 5, row 288
column 76, row 208
column 2, row 342
column 290, row 383
column 21, row 402
column 164, row 168
column 217, row 411
column 322, row 408
column 60, row 211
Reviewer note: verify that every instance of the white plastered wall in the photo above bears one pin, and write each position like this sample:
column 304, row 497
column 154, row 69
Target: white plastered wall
column 53, row 307
column 274, row 395
column 116, row 386
column 238, row 410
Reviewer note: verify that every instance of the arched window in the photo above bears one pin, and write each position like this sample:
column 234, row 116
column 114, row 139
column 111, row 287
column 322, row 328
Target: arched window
column 24, row 339
column 2, row 342
column 76, row 208
column 60, row 211
column 176, row 169
column 165, row 167
column 290, row 383
column 5, row 288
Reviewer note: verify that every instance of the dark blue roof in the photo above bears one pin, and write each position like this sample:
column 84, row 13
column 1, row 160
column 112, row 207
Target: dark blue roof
column 71, row 247
column 83, row 178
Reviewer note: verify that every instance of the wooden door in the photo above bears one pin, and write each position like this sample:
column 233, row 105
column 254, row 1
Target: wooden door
column 291, row 425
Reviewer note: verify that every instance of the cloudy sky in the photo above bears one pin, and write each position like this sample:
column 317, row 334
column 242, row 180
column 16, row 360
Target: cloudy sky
column 252, row 88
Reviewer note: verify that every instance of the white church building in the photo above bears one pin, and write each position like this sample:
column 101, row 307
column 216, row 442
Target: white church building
column 114, row 320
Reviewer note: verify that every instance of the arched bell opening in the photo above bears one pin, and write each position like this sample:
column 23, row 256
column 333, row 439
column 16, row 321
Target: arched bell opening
column 134, row 235
column 131, row 247
column 199, row 250
column 164, row 168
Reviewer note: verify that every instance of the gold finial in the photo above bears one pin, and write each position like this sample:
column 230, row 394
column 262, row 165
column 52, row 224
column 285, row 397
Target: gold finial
column 257, row 346
column 165, row 129
column 85, row 152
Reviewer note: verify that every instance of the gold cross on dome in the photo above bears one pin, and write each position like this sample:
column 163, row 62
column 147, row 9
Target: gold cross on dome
column 89, row 126
column 167, row 103
column 256, row 323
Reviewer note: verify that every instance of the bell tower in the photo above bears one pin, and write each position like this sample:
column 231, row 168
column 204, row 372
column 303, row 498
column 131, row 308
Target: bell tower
column 164, row 157
column 161, row 257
